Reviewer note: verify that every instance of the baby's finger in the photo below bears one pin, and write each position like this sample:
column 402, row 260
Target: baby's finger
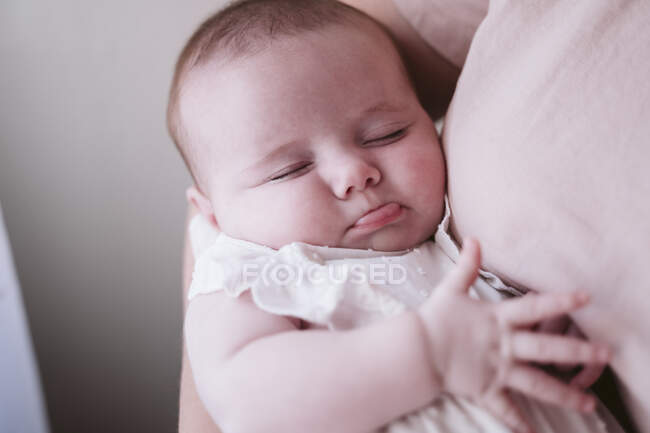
column 557, row 325
column 545, row 348
column 534, row 308
column 464, row 274
column 539, row 385
column 502, row 407
column 587, row 376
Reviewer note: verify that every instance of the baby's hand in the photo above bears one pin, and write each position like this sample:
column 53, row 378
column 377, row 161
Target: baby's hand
column 586, row 376
column 481, row 350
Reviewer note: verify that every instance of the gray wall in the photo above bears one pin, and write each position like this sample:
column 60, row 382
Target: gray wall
column 92, row 192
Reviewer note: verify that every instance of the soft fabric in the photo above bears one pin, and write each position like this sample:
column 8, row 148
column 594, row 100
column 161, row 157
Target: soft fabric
column 332, row 300
column 547, row 147
column 222, row 263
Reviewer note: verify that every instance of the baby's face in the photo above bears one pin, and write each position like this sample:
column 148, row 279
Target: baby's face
column 301, row 141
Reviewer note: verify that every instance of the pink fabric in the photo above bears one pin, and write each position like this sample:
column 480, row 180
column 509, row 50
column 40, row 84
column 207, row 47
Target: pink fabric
column 548, row 151
column 448, row 26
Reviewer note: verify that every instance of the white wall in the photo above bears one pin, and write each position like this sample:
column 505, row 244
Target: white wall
column 92, row 192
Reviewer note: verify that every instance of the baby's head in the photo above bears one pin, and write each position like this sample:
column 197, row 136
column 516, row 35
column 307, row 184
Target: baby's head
column 297, row 118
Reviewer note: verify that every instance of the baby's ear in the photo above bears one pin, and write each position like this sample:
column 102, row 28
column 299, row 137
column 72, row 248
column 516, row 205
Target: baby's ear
column 197, row 199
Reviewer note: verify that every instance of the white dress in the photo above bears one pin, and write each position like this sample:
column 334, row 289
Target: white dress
column 341, row 288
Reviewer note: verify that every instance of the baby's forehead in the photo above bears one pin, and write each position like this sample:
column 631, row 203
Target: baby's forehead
column 255, row 70
column 237, row 105
column 272, row 48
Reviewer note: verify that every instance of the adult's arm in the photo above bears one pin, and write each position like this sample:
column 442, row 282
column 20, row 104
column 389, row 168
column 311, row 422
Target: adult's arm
column 192, row 417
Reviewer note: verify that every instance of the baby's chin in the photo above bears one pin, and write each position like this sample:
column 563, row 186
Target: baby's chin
column 390, row 239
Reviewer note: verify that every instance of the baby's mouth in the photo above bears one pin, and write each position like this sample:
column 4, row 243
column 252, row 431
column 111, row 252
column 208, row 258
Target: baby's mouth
column 378, row 217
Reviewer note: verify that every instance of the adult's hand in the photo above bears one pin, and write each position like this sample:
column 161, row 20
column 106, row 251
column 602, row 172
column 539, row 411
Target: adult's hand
column 192, row 417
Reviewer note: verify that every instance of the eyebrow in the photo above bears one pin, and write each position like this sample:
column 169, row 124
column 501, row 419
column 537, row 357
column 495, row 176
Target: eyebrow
column 383, row 107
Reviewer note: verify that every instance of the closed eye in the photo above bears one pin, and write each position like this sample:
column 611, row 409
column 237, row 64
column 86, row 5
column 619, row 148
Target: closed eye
column 393, row 136
column 291, row 171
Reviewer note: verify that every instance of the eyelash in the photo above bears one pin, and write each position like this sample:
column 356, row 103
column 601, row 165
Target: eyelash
column 290, row 172
column 392, row 136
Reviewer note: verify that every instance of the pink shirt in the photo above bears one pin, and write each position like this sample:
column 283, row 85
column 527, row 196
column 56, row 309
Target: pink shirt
column 548, row 150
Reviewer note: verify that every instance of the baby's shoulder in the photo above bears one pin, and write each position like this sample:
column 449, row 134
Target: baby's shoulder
column 230, row 322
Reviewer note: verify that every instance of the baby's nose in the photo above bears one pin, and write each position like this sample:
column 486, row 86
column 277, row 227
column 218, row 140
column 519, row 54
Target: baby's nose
column 356, row 174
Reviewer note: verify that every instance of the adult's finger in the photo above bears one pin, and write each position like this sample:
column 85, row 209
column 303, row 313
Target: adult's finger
column 533, row 308
column 539, row 385
column 545, row 348
column 464, row 274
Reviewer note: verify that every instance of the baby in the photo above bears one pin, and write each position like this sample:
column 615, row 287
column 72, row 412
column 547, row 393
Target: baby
column 302, row 131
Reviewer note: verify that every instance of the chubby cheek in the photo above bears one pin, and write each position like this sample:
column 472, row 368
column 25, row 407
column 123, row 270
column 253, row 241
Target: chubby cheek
column 276, row 215
column 421, row 180
column 429, row 171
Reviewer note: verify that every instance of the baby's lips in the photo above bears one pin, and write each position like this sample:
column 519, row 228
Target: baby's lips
column 378, row 214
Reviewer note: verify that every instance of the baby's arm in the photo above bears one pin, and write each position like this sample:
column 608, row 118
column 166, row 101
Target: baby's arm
column 256, row 372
